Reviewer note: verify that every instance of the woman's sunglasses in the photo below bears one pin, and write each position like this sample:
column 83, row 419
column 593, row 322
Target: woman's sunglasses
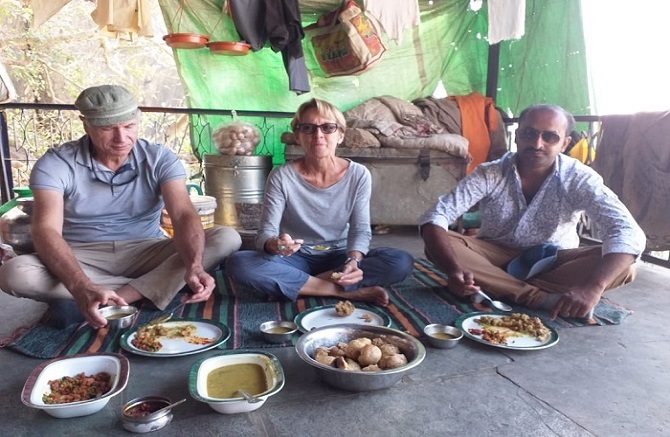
column 310, row 129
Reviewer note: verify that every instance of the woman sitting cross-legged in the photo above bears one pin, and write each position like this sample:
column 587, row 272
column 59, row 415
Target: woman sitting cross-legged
column 315, row 227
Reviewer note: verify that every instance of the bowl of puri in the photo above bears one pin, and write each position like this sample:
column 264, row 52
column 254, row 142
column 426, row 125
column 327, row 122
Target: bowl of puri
column 236, row 381
column 278, row 331
column 76, row 385
column 359, row 358
column 442, row 336
column 119, row 316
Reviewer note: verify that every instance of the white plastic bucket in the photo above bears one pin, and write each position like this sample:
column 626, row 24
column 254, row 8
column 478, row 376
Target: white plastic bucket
column 205, row 205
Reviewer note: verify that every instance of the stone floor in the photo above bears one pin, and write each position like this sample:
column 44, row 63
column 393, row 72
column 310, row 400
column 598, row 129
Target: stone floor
column 603, row 381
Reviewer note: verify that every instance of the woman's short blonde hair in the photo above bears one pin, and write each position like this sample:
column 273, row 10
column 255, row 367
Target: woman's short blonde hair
column 325, row 109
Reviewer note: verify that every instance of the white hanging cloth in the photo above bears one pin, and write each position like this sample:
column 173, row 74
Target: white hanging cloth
column 7, row 90
column 507, row 20
column 394, row 16
column 45, row 9
column 123, row 18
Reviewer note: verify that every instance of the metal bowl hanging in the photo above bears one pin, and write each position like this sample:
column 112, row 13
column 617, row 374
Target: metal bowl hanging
column 229, row 48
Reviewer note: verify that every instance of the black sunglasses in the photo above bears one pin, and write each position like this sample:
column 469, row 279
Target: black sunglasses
column 530, row 134
column 310, row 129
column 120, row 173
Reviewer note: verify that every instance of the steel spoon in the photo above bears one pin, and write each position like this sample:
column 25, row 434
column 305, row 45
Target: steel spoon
column 502, row 306
column 248, row 397
column 165, row 317
column 168, row 407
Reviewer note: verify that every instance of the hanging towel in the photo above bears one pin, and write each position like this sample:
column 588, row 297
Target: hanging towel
column 123, row 18
column 393, row 16
column 479, row 118
column 634, row 161
column 507, row 19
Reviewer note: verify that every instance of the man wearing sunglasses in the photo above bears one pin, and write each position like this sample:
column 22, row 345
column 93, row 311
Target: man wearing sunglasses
column 95, row 226
column 530, row 202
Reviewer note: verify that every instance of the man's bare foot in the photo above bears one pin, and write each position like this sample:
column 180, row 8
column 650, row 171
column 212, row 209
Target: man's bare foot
column 376, row 295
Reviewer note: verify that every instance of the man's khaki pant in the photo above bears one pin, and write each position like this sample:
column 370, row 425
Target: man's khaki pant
column 488, row 261
column 151, row 266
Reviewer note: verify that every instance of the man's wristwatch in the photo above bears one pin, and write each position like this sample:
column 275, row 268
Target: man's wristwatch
column 351, row 258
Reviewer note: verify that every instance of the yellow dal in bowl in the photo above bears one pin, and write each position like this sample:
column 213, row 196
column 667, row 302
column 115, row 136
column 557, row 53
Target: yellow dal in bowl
column 224, row 382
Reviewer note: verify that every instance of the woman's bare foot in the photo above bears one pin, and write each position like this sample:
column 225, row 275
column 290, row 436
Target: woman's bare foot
column 319, row 287
column 376, row 295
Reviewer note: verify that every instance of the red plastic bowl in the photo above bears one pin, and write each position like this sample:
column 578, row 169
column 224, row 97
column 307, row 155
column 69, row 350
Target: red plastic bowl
column 230, row 48
column 186, row 40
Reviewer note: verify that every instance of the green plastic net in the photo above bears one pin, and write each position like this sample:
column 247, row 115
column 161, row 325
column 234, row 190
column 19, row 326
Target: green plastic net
column 449, row 46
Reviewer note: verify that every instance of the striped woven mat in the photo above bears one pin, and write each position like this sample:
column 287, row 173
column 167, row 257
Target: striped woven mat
column 419, row 300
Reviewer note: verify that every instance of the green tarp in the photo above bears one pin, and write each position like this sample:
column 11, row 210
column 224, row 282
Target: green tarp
column 546, row 65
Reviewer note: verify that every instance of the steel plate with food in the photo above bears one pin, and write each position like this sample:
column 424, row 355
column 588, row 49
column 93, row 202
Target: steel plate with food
column 509, row 331
column 177, row 337
column 327, row 315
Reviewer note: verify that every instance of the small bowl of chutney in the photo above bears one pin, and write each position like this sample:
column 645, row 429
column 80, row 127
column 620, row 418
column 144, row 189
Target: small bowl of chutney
column 278, row 331
column 442, row 336
column 142, row 414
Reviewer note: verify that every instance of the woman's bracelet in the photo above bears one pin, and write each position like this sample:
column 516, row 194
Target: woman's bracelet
column 351, row 258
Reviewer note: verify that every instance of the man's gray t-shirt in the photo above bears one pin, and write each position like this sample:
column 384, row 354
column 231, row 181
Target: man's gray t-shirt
column 339, row 214
column 101, row 205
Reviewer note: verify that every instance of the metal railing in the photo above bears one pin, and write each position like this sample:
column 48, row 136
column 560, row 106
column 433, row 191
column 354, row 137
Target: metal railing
column 27, row 131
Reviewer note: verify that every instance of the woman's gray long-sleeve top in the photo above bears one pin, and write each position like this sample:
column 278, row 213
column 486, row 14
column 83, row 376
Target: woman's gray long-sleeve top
column 338, row 215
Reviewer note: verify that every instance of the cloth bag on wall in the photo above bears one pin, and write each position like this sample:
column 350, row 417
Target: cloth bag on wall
column 344, row 40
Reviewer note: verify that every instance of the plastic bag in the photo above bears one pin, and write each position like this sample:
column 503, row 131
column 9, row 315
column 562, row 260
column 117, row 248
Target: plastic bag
column 582, row 147
column 236, row 137
column 6, row 253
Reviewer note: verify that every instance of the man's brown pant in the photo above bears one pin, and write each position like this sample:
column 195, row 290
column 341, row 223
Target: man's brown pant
column 488, row 261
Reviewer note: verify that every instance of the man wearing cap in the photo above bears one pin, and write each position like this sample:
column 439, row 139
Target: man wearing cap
column 95, row 226
column 530, row 201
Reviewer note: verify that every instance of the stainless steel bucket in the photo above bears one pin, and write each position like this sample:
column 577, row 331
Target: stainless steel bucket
column 237, row 182
column 15, row 226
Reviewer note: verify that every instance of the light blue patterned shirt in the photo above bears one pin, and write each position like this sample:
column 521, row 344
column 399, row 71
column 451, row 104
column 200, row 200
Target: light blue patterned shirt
column 551, row 216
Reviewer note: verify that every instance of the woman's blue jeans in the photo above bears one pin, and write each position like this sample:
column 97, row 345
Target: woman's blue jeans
column 276, row 275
